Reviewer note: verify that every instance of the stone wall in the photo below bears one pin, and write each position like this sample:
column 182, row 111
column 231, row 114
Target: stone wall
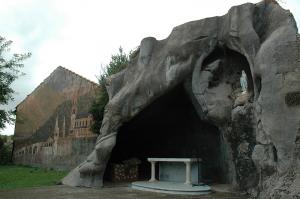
column 64, row 154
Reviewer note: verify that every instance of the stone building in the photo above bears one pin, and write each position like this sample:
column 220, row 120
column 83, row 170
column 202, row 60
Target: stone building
column 53, row 122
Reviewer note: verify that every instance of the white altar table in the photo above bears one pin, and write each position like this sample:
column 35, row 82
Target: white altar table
column 186, row 161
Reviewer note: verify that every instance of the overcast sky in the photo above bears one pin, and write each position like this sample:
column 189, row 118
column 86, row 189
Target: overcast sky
column 81, row 35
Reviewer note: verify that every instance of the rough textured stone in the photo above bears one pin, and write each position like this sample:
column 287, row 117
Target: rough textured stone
column 260, row 132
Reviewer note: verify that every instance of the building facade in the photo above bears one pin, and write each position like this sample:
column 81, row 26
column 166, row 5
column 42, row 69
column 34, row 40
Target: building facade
column 53, row 122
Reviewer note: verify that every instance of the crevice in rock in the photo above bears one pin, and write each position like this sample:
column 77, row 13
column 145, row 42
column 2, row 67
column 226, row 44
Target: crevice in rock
column 275, row 153
column 259, row 22
column 200, row 38
column 258, row 85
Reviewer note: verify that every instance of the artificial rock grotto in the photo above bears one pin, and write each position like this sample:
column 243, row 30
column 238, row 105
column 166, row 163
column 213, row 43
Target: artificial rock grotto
column 181, row 96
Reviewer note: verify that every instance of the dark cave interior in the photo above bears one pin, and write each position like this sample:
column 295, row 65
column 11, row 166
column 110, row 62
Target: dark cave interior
column 169, row 128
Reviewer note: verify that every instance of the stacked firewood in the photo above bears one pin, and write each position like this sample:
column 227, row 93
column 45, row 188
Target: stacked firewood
column 126, row 171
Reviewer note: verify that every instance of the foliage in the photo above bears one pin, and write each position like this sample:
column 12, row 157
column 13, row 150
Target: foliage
column 9, row 72
column 5, row 149
column 12, row 177
column 117, row 63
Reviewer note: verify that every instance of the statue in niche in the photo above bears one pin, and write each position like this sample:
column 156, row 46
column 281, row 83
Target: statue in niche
column 243, row 82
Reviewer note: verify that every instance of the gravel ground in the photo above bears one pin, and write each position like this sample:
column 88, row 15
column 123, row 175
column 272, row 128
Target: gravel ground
column 122, row 192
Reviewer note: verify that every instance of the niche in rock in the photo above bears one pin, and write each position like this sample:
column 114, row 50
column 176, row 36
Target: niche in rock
column 234, row 67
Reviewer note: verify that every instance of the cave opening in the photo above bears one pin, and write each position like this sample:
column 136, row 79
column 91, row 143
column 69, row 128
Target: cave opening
column 169, row 128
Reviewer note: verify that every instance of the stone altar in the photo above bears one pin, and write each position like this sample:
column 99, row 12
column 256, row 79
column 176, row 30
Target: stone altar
column 177, row 170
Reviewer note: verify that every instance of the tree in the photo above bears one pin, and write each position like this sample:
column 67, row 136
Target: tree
column 117, row 63
column 9, row 72
column 5, row 149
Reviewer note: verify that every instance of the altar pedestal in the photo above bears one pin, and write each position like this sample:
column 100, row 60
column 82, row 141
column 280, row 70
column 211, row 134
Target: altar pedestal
column 176, row 176
column 177, row 172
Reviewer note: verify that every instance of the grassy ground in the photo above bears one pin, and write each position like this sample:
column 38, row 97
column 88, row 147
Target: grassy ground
column 12, row 177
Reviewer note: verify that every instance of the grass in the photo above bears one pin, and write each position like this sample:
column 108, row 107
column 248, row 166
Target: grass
column 12, row 177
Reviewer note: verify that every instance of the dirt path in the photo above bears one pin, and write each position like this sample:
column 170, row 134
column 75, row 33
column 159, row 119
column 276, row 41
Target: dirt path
column 65, row 192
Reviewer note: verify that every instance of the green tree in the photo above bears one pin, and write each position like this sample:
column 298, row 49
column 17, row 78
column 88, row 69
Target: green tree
column 9, row 71
column 5, row 149
column 117, row 63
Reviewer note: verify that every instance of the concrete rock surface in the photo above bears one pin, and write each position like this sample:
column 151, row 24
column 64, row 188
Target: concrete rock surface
column 261, row 129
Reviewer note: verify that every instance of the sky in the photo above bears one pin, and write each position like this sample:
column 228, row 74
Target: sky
column 81, row 35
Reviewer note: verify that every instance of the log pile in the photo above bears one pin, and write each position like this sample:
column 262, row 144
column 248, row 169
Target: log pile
column 126, row 171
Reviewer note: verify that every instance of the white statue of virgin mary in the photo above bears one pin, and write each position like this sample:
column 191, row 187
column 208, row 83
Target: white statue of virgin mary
column 243, row 82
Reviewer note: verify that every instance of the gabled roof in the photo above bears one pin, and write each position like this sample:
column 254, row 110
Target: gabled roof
column 61, row 67
column 50, row 76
